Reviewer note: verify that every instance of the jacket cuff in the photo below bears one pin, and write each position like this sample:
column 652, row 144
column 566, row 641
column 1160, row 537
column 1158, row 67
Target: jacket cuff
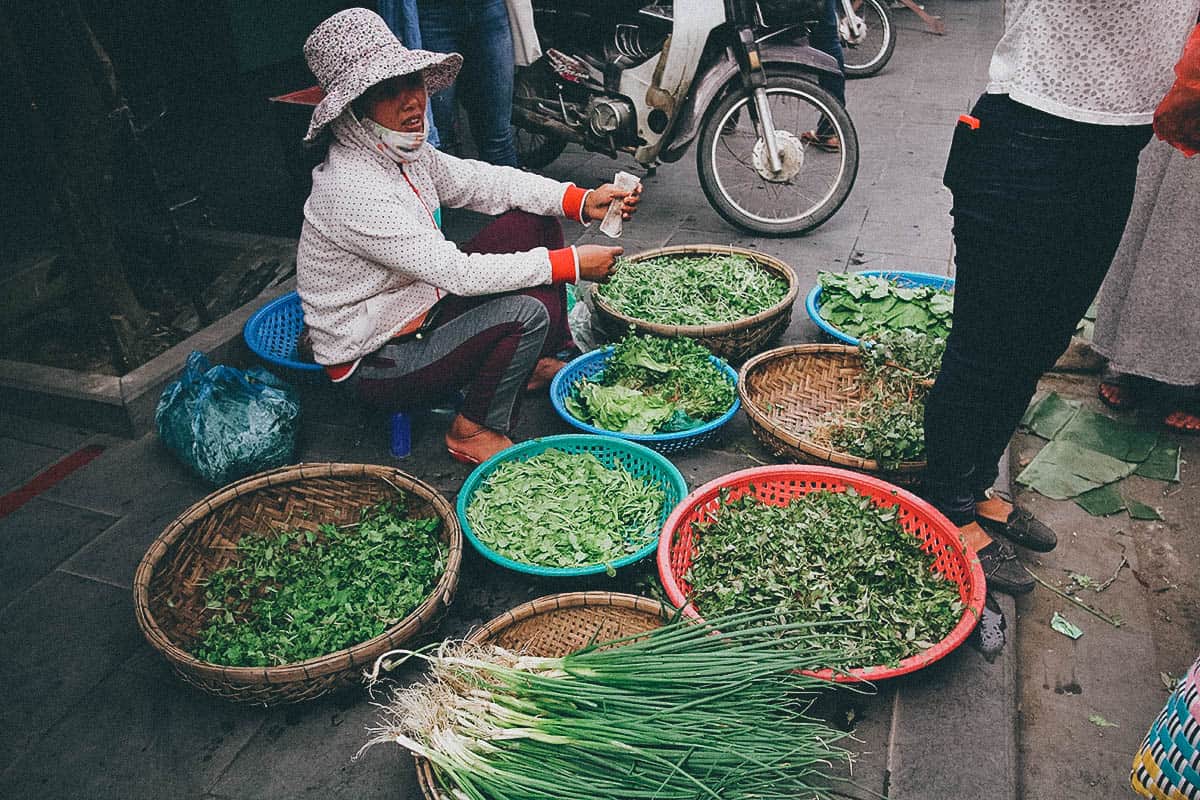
column 564, row 265
column 573, row 202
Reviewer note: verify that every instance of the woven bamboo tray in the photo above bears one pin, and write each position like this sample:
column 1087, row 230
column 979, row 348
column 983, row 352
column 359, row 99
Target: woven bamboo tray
column 786, row 391
column 170, row 582
column 734, row 341
column 553, row 626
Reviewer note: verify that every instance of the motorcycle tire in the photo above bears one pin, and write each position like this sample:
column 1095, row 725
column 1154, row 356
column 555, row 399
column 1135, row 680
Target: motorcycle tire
column 535, row 148
column 870, row 56
column 732, row 119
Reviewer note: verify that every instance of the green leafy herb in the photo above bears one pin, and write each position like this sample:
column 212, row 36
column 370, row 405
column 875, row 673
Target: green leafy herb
column 1101, row 722
column 887, row 424
column 560, row 509
column 833, row 557
column 653, row 385
column 295, row 595
column 863, row 306
column 692, row 290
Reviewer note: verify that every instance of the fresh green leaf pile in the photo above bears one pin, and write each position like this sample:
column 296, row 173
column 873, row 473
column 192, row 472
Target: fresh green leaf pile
column 688, row 711
column 832, row 557
column 653, row 385
column 888, row 424
column 692, row 290
column 560, row 509
column 861, row 306
column 295, row 595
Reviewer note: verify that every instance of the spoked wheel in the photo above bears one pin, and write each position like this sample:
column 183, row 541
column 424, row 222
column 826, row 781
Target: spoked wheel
column 815, row 178
column 869, row 48
column 535, row 148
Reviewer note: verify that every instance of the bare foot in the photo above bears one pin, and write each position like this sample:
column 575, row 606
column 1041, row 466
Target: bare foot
column 974, row 536
column 472, row 443
column 543, row 373
column 1184, row 420
column 994, row 508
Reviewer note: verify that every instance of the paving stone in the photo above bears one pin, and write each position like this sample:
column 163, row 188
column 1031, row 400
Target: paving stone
column 123, row 477
column 130, row 738
column 307, row 751
column 20, row 461
column 47, row 434
column 37, row 537
column 114, row 555
column 58, row 640
column 955, row 727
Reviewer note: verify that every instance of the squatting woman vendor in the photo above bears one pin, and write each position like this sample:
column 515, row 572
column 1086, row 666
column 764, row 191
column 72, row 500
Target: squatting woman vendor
column 392, row 306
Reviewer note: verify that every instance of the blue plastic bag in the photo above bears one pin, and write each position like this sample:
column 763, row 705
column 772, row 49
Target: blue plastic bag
column 226, row 423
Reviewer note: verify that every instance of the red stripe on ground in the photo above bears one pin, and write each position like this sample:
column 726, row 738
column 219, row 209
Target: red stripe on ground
column 19, row 497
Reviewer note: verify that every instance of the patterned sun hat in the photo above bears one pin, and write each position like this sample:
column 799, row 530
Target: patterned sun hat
column 353, row 50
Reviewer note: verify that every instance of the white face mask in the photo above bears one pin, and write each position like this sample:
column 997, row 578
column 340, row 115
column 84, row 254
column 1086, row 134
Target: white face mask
column 400, row 146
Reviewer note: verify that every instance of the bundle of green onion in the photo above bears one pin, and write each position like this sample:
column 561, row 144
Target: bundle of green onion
column 687, row 711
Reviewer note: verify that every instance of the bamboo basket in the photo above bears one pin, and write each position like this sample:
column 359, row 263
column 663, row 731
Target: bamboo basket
column 786, row 391
column 170, row 582
column 554, row 626
column 734, row 341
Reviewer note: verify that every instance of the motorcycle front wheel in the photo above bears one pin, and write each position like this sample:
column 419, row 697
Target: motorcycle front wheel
column 869, row 52
column 815, row 178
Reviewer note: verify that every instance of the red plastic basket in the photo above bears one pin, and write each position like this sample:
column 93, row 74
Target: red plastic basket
column 779, row 485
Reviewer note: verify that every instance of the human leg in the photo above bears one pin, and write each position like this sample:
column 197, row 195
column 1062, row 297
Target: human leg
column 1039, row 206
column 487, row 93
column 442, row 32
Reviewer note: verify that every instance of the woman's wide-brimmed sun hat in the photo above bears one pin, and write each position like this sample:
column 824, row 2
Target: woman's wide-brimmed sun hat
column 353, row 50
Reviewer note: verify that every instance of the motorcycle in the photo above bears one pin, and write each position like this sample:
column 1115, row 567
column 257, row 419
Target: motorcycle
column 736, row 78
column 868, row 34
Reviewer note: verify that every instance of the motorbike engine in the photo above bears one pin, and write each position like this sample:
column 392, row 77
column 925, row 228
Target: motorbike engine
column 610, row 116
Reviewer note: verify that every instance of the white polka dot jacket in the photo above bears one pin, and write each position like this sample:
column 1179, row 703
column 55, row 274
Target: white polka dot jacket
column 372, row 260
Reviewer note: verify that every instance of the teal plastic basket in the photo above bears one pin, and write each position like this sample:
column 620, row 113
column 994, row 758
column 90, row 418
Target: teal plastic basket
column 639, row 461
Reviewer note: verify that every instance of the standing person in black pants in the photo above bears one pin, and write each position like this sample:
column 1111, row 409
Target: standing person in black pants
column 1042, row 172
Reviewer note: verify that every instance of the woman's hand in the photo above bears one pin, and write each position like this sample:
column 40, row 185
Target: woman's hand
column 598, row 201
column 596, row 261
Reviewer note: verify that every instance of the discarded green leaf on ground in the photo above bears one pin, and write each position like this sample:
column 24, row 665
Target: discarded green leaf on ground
column 1141, row 511
column 1102, row 501
column 1101, row 722
column 1168, row 680
column 560, row 509
column 1061, row 624
column 1063, row 470
column 1162, row 464
column 1106, row 435
column 1047, row 416
column 1081, row 580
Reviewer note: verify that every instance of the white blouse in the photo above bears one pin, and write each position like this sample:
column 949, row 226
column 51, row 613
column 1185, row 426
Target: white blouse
column 1107, row 62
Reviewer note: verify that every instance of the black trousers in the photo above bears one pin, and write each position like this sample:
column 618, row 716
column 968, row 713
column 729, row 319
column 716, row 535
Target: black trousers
column 1040, row 203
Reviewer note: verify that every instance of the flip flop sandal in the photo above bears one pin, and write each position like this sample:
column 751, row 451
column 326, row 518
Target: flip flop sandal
column 463, row 458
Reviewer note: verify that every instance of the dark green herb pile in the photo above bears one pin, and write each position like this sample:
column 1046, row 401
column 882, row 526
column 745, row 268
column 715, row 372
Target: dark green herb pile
column 296, row 595
column 826, row 557
column 692, row 290
column 653, row 385
column 562, row 509
column 861, row 306
column 888, row 424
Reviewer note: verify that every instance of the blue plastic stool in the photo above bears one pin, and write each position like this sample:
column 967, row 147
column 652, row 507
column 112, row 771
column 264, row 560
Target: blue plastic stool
column 273, row 333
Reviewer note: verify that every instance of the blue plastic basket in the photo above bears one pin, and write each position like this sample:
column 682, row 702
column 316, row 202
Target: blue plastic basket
column 812, row 303
column 591, row 365
column 273, row 332
column 639, row 461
